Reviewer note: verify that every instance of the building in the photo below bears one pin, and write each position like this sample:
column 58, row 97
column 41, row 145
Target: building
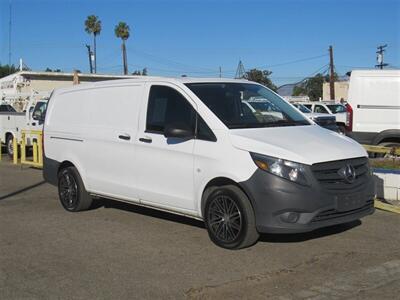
column 19, row 87
column 341, row 90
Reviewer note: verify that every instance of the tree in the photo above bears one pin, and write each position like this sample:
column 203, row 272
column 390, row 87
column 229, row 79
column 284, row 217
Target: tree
column 6, row 70
column 55, row 70
column 312, row 87
column 93, row 26
column 122, row 32
column 262, row 77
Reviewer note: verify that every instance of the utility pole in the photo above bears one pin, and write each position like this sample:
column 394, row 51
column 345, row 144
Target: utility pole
column 90, row 54
column 332, row 74
column 9, row 39
column 379, row 57
column 220, row 72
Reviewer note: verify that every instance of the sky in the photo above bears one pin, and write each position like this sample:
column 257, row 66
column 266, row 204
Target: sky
column 192, row 37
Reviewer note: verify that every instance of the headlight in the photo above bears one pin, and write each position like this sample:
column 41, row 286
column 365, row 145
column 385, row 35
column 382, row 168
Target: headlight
column 286, row 169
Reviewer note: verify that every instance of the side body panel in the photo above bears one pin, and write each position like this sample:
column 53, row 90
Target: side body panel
column 83, row 126
column 375, row 99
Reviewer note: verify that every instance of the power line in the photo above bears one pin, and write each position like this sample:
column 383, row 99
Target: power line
column 294, row 61
column 309, row 76
column 168, row 62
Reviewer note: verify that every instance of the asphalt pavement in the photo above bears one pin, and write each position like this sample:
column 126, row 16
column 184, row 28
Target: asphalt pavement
column 121, row 251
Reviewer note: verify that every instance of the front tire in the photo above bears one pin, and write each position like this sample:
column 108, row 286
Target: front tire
column 71, row 191
column 229, row 218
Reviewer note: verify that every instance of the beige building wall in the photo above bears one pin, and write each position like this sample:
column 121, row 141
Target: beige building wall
column 341, row 90
column 42, row 85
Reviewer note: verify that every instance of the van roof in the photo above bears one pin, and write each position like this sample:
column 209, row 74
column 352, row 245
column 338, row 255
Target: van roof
column 170, row 79
column 375, row 72
column 136, row 79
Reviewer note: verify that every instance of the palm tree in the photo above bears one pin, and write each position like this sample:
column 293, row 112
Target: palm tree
column 93, row 26
column 122, row 32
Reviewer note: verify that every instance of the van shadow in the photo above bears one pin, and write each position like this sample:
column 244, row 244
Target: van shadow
column 301, row 237
column 267, row 238
column 108, row 203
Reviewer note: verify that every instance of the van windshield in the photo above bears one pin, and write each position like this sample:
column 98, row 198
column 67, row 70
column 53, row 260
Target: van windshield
column 246, row 105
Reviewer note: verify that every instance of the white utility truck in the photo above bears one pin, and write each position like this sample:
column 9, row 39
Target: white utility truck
column 374, row 107
column 12, row 123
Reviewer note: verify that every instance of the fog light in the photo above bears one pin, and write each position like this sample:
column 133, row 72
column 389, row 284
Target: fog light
column 290, row 217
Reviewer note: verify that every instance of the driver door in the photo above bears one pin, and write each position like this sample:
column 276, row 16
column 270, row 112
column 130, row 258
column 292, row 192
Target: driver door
column 165, row 165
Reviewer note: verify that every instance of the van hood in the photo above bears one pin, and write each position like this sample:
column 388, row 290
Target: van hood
column 308, row 144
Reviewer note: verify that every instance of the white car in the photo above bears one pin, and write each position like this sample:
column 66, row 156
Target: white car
column 332, row 108
column 324, row 120
column 188, row 147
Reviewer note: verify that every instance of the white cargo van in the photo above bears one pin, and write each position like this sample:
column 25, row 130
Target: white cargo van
column 189, row 146
column 374, row 107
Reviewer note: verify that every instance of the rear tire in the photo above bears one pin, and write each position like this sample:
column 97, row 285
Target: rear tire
column 229, row 218
column 71, row 191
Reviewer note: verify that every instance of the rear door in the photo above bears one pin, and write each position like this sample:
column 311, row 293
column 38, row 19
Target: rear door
column 165, row 165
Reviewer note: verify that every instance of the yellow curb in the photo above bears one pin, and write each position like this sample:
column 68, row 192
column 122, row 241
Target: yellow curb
column 387, row 207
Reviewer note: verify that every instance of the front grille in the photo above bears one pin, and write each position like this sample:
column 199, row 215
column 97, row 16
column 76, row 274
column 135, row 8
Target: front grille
column 328, row 176
column 333, row 214
column 322, row 121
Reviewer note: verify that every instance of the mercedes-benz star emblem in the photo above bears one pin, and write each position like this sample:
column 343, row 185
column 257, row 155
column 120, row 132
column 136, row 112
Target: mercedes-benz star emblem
column 348, row 173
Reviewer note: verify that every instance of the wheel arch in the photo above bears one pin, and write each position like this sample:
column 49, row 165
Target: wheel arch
column 65, row 164
column 215, row 183
column 391, row 135
column 70, row 163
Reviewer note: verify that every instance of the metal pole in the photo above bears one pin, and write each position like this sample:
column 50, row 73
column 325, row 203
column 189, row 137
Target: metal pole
column 90, row 58
column 9, row 40
column 332, row 75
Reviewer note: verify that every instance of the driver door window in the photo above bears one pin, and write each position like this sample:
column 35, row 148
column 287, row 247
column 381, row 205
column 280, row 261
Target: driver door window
column 167, row 106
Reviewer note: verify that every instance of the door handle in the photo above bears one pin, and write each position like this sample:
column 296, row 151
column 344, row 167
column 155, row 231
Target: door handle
column 125, row 137
column 146, row 140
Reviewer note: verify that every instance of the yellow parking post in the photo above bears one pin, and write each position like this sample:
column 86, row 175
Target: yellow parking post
column 40, row 149
column 23, row 147
column 36, row 137
column 386, row 206
column 15, row 151
column 35, row 152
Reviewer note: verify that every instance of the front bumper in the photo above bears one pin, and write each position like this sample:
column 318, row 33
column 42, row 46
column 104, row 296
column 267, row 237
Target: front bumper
column 282, row 206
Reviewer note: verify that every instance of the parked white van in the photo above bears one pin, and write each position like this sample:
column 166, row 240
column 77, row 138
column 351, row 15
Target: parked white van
column 374, row 107
column 189, row 147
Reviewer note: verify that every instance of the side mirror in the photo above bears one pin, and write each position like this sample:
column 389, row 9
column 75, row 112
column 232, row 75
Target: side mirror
column 38, row 115
column 181, row 131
